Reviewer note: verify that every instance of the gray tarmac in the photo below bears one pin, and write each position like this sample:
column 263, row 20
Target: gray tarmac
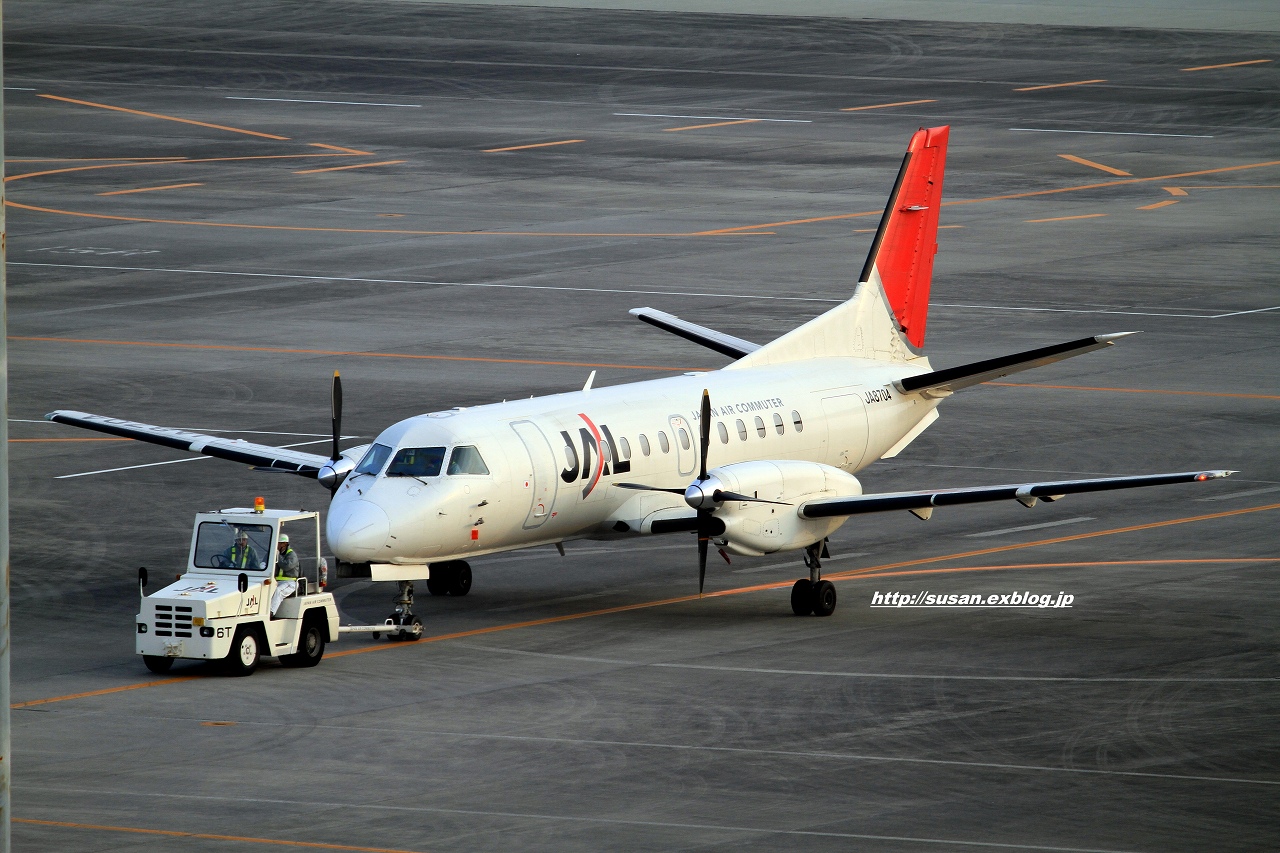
column 562, row 705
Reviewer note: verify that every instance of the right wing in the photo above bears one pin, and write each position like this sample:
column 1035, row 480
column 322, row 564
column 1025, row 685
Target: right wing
column 709, row 338
column 234, row 449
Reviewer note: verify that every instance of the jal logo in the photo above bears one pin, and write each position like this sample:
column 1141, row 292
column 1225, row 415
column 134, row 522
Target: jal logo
column 598, row 456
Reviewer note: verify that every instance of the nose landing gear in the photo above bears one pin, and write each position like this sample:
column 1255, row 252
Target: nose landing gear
column 410, row 626
column 813, row 595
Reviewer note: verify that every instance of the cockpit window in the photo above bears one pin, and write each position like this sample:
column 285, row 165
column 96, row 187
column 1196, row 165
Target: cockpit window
column 416, row 462
column 374, row 458
column 466, row 460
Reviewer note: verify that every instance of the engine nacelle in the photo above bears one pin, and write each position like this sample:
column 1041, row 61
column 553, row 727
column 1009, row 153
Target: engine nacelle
column 754, row 529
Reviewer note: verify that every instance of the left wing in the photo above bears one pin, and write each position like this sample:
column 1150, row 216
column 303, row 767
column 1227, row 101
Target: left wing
column 260, row 455
column 922, row 503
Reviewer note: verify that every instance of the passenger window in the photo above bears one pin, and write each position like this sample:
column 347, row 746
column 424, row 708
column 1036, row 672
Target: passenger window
column 373, row 460
column 606, row 452
column 742, row 429
column 760, row 430
column 795, row 420
column 663, row 443
column 466, row 460
column 684, row 438
column 416, row 462
column 626, row 447
column 724, row 433
column 570, row 458
column 644, row 444
column 777, row 424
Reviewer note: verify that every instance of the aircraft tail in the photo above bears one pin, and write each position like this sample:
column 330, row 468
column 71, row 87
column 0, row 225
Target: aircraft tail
column 885, row 319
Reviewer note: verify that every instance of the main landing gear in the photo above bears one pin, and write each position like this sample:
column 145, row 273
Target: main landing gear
column 813, row 595
column 450, row 578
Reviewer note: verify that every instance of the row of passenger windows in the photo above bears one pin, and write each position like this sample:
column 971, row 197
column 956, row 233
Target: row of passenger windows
column 664, row 444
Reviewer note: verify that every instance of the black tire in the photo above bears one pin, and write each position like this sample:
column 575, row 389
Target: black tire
column 158, row 665
column 802, row 597
column 438, row 583
column 461, row 581
column 824, row 598
column 310, row 645
column 245, row 653
column 410, row 637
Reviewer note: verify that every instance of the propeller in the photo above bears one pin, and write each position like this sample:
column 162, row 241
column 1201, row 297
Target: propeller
column 335, row 408
column 333, row 473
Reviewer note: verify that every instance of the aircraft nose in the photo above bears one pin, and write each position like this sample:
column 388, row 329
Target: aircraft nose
column 357, row 531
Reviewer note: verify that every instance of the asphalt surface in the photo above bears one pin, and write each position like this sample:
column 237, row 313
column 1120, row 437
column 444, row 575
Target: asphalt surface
column 435, row 272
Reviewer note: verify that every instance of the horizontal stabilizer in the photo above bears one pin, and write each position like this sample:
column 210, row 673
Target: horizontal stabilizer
column 1026, row 493
column 709, row 338
column 942, row 382
column 259, row 455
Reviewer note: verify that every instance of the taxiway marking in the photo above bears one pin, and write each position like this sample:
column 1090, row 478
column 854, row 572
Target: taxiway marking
column 1244, row 494
column 713, row 124
column 1227, row 65
column 534, row 145
column 1137, row 390
column 1058, row 85
column 1006, row 530
column 1083, row 162
column 355, row 166
column 1158, row 204
column 340, row 148
column 207, row 836
column 151, row 189
column 157, row 162
column 41, row 440
column 883, row 106
column 304, row 101
column 161, row 116
column 719, row 118
column 1107, row 132
column 1067, row 218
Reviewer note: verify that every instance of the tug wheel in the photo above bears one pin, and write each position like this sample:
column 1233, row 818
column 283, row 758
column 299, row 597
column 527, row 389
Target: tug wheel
column 244, row 655
column 157, row 664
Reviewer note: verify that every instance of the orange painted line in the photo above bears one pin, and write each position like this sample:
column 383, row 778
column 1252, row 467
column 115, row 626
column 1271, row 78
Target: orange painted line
column 151, row 189
column 182, row 162
column 1138, row 390
column 40, row 440
column 139, row 686
column 1231, row 187
column 715, row 124
column 207, row 836
column 85, row 159
column 1058, row 85
column 356, row 166
column 1227, row 65
column 883, row 106
column 283, row 350
column 1178, row 191
column 1066, row 218
column 340, row 148
column 1158, row 204
column 1083, row 162
column 165, row 117
column 534, row 145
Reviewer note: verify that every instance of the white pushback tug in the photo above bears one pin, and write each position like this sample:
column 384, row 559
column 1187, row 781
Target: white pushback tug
column 220, row 608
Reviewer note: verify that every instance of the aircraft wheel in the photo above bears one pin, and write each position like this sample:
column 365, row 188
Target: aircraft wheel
column 824, row 598
column 461, row 579
column 157, row 664
column 244, row 655
column 802, row 597
column 438, row 583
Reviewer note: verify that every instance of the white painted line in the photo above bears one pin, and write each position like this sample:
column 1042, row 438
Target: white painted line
column 928, row 677
column 720, row 118
column 1239, row 313
column 1108, row 132
column 175, row 461
column 18, row 89
column 302, row 101
column 1244, row 494
column 1085, row 311
column 547, row 602
column 1005, row 530
column 791, row 563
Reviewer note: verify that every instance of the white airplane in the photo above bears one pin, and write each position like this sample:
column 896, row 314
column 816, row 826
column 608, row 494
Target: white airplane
column 764, row 464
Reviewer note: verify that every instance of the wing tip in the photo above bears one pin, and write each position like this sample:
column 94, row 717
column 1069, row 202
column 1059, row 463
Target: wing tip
column 1114, row 336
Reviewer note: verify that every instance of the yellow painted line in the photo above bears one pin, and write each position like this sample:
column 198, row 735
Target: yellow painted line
column 1083, row 162
column 356, row 166
column 182, row 162
column 883, row 106
column 41, row 440
column 207, row 836
column 165, row 117
column 1066, row 218
column 1158, row 204
column 151, row 189
column 1137, row 390
column 283, row 350
column 87, row 159
column 1227, row 65
column 534, row 145
column 107, row 691
column 714, row 124
column 1178, row 191
column 218, row 723
column 1058, row 85
column 949, row 226
column 340, row 148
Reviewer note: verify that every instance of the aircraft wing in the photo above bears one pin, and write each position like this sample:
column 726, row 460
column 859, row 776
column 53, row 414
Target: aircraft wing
column 939, row 383
column 709, row 338
column 259, row 455
column 922, row 503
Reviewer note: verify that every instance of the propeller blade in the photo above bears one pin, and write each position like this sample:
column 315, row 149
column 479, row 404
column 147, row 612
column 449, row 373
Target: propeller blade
column 703, row 540
column 335, row 405
column 721, row 496
column 640, row 487
column 704, row 429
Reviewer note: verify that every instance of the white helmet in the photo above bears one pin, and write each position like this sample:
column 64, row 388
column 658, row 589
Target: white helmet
column 284, row 537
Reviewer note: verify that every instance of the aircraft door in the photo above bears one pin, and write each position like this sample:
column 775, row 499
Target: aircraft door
column 542, row 480
column 685, row 440
column 846, row 417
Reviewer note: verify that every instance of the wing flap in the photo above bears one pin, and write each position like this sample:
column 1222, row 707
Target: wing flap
column 236, row 450
column 709, row 338
column 1025, row 493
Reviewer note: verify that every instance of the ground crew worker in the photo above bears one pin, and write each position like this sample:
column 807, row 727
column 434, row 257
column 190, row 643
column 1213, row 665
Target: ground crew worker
column 286, row 572
column 241, row 554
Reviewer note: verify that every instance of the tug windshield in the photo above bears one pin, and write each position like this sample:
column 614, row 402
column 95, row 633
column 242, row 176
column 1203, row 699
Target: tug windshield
column 222, row 545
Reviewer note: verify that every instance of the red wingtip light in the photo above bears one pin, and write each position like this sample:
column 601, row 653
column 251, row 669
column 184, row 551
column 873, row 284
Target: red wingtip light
column 1200, row 478
column 259, row 504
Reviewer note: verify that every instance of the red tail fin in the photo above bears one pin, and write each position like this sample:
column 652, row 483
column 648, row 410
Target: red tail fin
column 904, row 246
